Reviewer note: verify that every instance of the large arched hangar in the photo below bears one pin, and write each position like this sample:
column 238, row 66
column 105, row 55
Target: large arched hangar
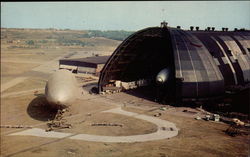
column 193, row 64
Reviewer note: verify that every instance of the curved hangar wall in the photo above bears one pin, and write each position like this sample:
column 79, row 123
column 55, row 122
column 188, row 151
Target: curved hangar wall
column 200, row 64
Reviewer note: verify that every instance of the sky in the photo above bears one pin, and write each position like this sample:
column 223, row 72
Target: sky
column 130, row 16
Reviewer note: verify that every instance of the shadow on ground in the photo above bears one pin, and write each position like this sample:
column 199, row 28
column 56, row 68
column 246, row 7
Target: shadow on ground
column 146, row 92
column 152, row 94
column 40, row 109
column 235, row 105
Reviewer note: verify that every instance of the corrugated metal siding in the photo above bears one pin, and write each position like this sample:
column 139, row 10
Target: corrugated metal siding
column 226, row 61
column 245, row 44
column 86, row 70
column 219, row 57
column 68, row 67
column 195, row 65
column 238, row 55
column 230, row 48
column 212, row 80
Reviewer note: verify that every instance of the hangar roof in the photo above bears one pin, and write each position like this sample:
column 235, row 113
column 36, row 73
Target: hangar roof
column 88, row 62
column 95, row 60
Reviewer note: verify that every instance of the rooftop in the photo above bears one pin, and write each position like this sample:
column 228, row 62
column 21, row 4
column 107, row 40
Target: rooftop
column 95, row 60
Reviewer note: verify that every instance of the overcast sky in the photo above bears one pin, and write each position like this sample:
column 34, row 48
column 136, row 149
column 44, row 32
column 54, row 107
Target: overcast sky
column 125, row 15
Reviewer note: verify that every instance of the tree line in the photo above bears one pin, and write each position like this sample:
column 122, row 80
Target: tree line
column 115, row 35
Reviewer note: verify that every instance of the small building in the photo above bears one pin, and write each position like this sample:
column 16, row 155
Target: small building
column 89, row 65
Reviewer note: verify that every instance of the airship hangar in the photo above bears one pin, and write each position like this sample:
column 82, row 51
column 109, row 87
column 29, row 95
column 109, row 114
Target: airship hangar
column 200, row 64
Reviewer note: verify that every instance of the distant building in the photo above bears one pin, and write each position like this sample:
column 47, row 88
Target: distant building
column 89, row 65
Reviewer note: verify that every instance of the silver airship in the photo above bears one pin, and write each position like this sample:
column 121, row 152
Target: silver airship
column 163, row 76
column 61, row 88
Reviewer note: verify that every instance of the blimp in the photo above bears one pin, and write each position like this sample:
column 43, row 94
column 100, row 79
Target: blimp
column 61, row 89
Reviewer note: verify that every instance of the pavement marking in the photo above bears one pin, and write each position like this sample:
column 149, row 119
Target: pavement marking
column 20, row 61
column 165, row 130
column 12, row 83
column 42, row 133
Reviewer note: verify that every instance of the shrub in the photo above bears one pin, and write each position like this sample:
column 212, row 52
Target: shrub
column 30, row 42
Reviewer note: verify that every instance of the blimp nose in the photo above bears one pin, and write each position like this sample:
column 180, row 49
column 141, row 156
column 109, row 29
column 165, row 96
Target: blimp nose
column 163, row 76
column 59, row 99
column 159, row 80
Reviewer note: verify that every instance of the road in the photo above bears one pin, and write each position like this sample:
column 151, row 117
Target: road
column 165, row 130
column 12, row 83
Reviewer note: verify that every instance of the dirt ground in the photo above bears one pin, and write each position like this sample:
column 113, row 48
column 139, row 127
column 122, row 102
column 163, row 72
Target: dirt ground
column 24, row 104
column 195, row 138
